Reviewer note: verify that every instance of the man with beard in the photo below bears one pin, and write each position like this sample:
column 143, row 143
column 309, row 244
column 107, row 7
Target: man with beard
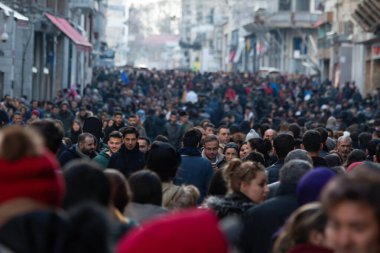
column 115, row 139
column 85, row 149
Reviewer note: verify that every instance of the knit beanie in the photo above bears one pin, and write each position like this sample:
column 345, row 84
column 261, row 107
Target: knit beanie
column 192, row 231
column 312, row 183
column 252, row 135
column 36, row 178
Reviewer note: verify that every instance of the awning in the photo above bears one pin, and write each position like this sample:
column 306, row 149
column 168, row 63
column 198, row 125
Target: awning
column 8, row 11
column 63, row 25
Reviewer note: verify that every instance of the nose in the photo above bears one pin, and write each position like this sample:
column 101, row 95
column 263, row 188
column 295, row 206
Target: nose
column 343, row 239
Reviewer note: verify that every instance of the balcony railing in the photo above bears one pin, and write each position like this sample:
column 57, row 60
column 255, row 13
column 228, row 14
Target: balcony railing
column 82, row 4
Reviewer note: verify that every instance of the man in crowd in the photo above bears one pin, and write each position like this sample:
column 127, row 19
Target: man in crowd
column 144, row 144
column 211, row 151
column 312, row 143
column 132, row 121
column 129, row 158
column 85, row 149
column 224, row 135
column 173, row 130
column 118, row 122
column 194, row 169
column 115, row 139
column 344, row 147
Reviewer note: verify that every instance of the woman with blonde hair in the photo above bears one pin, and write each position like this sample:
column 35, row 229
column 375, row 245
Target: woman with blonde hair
column 304, row 231
column 247, row 184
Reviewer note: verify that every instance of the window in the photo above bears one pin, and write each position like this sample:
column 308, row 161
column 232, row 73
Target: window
column 303, row 5
column 299, row 45
column 285, row 5
column 235, row 38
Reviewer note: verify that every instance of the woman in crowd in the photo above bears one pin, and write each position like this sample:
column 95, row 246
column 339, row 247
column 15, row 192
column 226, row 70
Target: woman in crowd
column 247, row 183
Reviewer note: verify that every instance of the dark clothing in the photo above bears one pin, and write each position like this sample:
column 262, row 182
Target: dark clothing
column 112, row 128
column 308, row 248
column 232, row 204
column 67, row 119
column 72, row 154
column 318, row 162
column 263, row 221
column 127, row 161
column 173, row 132
column 73, row 136
column 195, row 170
column 274, row 171
column 218, row 186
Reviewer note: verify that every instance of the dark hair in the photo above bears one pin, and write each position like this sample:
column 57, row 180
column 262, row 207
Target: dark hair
column 222, row 127
column 115, row 134
column 129, row 130
column 255, row 157
column 120, row 193
column 262, row 146
column 161, row 138
column 145, row 139
column 295, row 129
column 333, row 160
column 82, row 137
column 364, row 139
column 146, row 187
column 231, row 145
column 356, row 155
column 192, row 138
column 52, row 133
column 263, row 127
column 283, row 144
column 323, row 132
column 118, row 113
column 210, row 138
column 132, row 116
column 312, row 140
column 372, row 145
column 85, row 182
column 163, row 159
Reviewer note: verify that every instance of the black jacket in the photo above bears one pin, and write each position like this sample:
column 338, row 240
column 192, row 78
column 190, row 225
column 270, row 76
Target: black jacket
column 72, row 154
column 263, row 221
column 274, row 171
column 127, row 161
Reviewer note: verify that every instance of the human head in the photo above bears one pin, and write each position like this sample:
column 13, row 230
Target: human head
column 248, row 178
column 115, row 140
column 163, row 159
column 259, row 145
column 295, row 129
column 118, row 118
column 312, row 142
column 146, row 187
column 130, row 137
column 344, row 146
column 85, row 182
column 211, row 147
column 255, row 157
column 192, row 138
column 76, row 126
column 356, row 155
column 372, row 147
column 52, row 133
column 224, row 134
column 173, row 118
column 87, row 143
column 209, row 128
column 120, row 192
column 305, row 226
column 132, row 120
column 17, row 118
column 364, row 138
column 270, row 134
column 298, row 154
column 231, row 151
column 292, row 172
column 243, row 151
column 144, row 144
column 353, row 209
column 283, row 144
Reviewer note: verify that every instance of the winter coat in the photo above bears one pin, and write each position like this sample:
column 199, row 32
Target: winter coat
column 173, row 132
column 232, row 204
column 127, row 161
column 263, row 221
column 195, row 170
column 67, row 119
column 274, row 171
column 72, row 154
column 102, row 159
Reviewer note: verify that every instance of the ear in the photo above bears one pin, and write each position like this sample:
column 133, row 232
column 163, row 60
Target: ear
column 321, row 146
column 302, row 147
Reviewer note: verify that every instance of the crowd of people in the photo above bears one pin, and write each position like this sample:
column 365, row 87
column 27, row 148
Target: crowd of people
column 172, row 161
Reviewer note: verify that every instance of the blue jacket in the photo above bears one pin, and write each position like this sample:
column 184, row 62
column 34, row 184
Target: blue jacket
column 195, row 170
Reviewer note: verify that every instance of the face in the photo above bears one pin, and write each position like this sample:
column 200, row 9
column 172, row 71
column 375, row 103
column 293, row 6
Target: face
column 88, row 146
column 211, row 150
column 224, row 135
column 173, row 119
column 344, row 148
column 130, row 141
column 64, row 107
column 243, row 151
column 230, row 154
column 118, row 119
column 353, row 228
column 256, row 190
column 17, row 119
column 269, row 134
column 76, row 126
column 209, row 130
column 114, row 144
column 183, row 119
column 143, row 146
column 132, row 121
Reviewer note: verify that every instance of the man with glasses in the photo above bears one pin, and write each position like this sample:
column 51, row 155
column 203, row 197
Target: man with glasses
column 211, row 151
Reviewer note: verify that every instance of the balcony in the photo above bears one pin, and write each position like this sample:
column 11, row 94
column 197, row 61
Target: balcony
column 287, row 19
column 82, row 4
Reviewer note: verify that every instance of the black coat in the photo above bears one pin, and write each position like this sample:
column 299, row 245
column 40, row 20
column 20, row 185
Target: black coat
column 274, row 171
column 72, row 154
column 263, row 221
column 127, row 161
